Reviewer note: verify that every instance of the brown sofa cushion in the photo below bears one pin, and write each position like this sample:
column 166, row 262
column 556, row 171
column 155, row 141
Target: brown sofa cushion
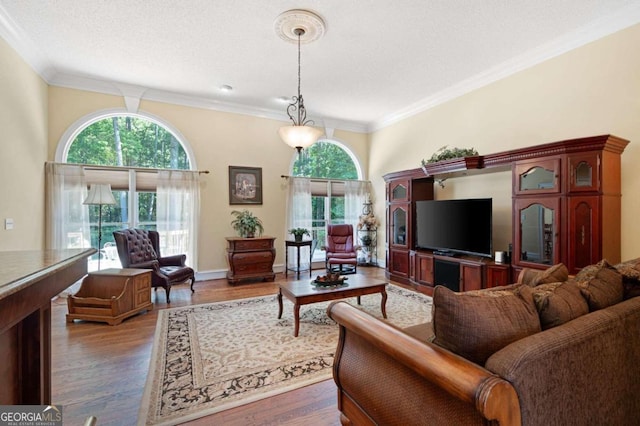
column 630, row 271
column 532, row 277
column 600, row 284
column 558, row 303
column 475, row 324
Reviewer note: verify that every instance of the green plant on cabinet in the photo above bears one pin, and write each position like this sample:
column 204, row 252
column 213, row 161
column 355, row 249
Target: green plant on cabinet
column 246, row 224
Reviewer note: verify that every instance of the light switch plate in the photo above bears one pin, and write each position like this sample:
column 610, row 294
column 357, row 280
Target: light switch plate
column 8, row 223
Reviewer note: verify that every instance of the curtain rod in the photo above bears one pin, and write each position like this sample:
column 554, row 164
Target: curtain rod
column 324, row 179
column 123, row 168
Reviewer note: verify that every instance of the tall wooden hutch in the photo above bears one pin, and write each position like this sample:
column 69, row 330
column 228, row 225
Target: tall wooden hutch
column 566, row 209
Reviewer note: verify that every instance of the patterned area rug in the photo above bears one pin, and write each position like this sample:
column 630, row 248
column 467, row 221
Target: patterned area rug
column 212, row 357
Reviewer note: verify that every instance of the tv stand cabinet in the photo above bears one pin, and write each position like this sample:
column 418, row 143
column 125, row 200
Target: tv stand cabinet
column 458, row 273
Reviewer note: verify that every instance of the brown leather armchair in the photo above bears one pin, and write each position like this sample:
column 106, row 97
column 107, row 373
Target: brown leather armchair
column 140, row 249
column 341, row 253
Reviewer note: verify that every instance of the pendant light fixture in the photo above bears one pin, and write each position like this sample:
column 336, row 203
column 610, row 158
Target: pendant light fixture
column 299, row 25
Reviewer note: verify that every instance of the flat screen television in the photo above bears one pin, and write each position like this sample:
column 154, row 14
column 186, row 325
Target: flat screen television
column 455, row 226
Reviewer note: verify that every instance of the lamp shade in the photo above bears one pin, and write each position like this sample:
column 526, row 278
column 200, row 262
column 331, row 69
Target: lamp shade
column 299, row 137
column 100, row 194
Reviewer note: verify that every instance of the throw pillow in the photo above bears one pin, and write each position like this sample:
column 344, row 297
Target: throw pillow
column 475, row 324
column 630, row 271
column 527, row 275
column 600, row 284
column 554, row 274
column 558, row 303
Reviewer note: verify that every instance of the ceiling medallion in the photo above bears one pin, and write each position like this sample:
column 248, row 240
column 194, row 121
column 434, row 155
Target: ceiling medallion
column 288, row 22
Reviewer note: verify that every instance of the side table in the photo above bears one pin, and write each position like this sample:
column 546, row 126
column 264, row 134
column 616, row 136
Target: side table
column 297, row 245
column 111, row 295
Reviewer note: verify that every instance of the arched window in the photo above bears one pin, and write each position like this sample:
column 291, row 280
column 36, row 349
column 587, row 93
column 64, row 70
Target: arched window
column 125, row 140
column 130, row 152
column 328, row 160
column 330, row 165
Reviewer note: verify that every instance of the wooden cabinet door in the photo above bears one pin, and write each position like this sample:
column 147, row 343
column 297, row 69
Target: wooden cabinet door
column 424, row 269
column 399, row 191
column 399, row 227
column 537, row 229
column 584, row 172
column 497, row 275
column 540, row 176
column 399, row 262
column 584, row 232
column 470, row 276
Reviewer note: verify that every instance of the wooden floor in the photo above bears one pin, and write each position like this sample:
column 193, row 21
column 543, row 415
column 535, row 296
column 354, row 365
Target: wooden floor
column 100, row 370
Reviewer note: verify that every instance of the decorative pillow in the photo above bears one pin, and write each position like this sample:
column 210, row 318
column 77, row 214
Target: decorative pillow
column 558, row 303
column 527, row 275
column 531, row 277
column 600, row 284
column 630, row 271
column 475, row 324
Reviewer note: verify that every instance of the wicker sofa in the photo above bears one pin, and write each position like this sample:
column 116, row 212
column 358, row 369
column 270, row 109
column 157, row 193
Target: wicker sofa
column 578, row 366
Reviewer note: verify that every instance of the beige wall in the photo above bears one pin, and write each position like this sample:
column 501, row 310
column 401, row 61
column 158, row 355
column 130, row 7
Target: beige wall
column 23, row 120
column 217, row 140
column 592, row 90
column 589, row 91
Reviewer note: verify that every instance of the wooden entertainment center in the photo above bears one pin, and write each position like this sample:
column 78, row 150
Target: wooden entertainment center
column 566, row 209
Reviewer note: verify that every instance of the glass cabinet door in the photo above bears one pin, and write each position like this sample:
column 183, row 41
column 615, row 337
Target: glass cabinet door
column 399, row 191
column 584, row 172
column 536, row 177
column 538, row 231
column 399, row 226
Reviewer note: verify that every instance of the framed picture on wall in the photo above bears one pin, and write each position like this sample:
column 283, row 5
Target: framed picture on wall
column 245, row 185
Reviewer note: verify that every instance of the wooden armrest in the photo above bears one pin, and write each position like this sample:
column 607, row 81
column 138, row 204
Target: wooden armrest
column 492, row 396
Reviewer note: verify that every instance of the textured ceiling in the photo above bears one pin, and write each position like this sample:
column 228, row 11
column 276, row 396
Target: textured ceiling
column 378, row 61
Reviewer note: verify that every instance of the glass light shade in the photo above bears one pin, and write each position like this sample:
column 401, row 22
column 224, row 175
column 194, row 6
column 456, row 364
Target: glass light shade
column 100, row 194
column 299, row 137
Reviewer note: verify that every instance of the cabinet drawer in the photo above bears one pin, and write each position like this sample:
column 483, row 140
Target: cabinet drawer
column 253, row 245
column 242, row 258
column 253, row 267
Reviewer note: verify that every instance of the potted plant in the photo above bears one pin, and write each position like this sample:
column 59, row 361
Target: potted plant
column 246, row 224
column 366, row 240
column 298, row 233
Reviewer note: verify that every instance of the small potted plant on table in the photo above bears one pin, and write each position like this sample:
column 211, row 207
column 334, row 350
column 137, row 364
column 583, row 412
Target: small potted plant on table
column 298, row 233
column 246, row 224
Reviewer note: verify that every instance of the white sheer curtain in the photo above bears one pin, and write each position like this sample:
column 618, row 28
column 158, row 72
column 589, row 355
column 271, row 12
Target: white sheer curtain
column 355, row 194
column 178, row 217
column 67, row 219
column 299, row 215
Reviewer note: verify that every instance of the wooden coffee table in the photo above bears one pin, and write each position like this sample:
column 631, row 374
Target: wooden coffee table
column 303, row 292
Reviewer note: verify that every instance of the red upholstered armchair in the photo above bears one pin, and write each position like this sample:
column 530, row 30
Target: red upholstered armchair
column 140, row 249
column 342, row 254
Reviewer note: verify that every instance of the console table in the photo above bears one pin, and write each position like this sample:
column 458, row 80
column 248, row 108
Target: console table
column 28, row 282
column 297, row 245
column 250, row 258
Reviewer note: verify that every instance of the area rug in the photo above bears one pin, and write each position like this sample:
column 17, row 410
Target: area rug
column 212, row 357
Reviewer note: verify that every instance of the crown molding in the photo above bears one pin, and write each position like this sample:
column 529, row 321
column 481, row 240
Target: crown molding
column 600, row 28
column 13, row 34
column 116, row 88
